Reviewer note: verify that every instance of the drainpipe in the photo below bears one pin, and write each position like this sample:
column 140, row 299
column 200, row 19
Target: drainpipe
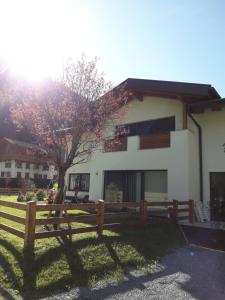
column 200, row 152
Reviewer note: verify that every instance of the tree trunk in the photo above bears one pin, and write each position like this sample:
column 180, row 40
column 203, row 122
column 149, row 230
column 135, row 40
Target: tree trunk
column 59, row 196
column 61, row 183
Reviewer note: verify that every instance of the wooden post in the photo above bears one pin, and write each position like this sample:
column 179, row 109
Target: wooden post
column 143, row 212
column 30, row 226
column 191, row 211
column 175, row 210
column 100, row 219
column 170, row 213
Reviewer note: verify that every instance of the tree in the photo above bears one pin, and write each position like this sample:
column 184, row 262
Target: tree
column 11, row 89
column 69, row 116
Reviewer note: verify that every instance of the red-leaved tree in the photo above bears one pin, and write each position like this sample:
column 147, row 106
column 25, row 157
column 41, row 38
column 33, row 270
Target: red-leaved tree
column 69, row 116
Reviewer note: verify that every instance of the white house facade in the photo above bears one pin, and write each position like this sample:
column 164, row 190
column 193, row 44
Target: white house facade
column 173, row 149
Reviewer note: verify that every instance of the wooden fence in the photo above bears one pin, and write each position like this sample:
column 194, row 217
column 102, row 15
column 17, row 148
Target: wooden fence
column 140, row 214
column 15, row 191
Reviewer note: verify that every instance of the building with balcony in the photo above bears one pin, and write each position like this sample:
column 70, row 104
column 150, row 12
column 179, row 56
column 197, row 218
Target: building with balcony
column 172, row 149
column 23, row 162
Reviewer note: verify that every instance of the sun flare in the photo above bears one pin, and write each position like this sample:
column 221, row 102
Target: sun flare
column 37, row 36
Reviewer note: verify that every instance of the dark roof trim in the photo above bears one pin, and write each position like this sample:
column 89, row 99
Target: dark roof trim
column 191, row 91
column 199, row 106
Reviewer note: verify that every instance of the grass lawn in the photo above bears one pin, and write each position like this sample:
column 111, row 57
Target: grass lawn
column 59, row 264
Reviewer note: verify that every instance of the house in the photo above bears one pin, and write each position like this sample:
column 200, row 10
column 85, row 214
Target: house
column 20, row 161
column 173, row 149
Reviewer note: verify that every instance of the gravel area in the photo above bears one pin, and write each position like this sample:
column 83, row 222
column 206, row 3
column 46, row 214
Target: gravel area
column 188, row 273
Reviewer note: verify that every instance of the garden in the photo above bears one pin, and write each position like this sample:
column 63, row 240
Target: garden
column 61, row 263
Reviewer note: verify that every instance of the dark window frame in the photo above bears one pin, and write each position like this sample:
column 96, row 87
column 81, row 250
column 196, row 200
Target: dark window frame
column 19, row 164
column 8, row 164
column 147, row 127
column 80, row 174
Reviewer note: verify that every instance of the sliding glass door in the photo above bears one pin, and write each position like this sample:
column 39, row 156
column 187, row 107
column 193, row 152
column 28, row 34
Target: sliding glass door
column 155, row 185
column 134, row 186
column 122, row 186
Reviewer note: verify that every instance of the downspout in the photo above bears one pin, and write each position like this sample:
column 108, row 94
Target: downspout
column 200, row 152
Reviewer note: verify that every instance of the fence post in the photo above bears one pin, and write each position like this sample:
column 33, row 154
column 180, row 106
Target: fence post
column 100, row 219
column 175, row 210
column 30, row 226
column 170, row 213
column 191, row 211
column 143, row 212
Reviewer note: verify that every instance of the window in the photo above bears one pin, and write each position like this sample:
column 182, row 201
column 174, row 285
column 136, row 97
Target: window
column 18, row 175
column 147, row 127
column 8, row 164
column 36, row 167
column 45, row 176
column 27, row 175
column 40, row 176
column 2, row 174
column 45, row 168
column 155, row 185
column 114, row 189
column 27, row 165
column 35, row 176
column 81, row 181
column 8, row 174
column 19, row 165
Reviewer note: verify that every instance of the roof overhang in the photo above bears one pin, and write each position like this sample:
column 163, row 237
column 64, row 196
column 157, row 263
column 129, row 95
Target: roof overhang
column 200, row 107
column 184, row 91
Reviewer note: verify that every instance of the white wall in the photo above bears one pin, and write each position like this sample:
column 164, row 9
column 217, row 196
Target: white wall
column 153, row 108
column 213, row 138
column 174, row 159
column 181, row 159
column 32, row 170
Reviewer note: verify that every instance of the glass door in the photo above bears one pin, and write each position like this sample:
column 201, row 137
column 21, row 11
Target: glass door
column 217, row 197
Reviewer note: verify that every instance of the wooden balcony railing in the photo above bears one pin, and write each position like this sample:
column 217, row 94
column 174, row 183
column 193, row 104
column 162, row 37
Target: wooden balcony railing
column 155, row 140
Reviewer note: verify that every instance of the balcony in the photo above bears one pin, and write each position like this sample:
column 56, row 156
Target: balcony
column 155, row 140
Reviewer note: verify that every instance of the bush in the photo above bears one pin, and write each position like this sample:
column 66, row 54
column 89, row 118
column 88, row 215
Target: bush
column 30, row 196
column 41, row 195
column 21, row 197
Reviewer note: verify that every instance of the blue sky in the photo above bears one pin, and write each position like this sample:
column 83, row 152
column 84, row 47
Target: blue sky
column 166, row 40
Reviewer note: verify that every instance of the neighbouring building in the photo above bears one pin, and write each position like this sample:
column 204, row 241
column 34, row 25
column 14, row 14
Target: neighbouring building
column 21, row 162
column 173, row 149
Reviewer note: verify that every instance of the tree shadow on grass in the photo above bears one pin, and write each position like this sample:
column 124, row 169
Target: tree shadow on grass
column 80, row 275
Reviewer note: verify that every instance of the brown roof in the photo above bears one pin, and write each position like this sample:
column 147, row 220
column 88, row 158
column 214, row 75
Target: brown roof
column 187, row 91
column 20, row 151
column 25, row 145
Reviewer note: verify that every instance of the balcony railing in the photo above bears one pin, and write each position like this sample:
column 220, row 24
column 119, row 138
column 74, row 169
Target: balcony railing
column 155, row 140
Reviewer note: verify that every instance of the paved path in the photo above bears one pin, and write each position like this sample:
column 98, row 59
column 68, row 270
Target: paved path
column 207, row 237
column 188, row 273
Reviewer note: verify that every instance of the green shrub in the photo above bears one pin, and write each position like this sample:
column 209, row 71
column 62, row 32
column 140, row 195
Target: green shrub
column 41, row 195
column 30, row 196
column 21, row 197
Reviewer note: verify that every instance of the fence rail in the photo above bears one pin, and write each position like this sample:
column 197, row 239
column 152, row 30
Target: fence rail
column 140, row 214
column 14, row 191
